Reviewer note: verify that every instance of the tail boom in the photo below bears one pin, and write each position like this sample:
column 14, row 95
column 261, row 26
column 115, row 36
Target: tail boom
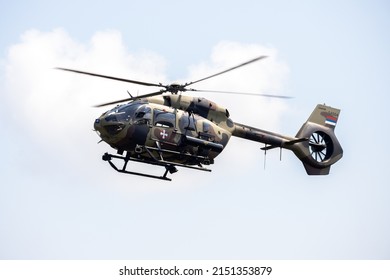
column 254, row 134
column 315, row 143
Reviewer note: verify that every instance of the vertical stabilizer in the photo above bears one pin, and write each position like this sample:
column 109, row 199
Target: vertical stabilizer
column 322, row 149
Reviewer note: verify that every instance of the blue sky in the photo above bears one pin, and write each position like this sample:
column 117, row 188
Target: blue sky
column 58, row 200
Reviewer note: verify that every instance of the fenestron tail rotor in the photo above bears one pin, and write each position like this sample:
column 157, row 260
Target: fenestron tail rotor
column 172, row 88
column 320, row 146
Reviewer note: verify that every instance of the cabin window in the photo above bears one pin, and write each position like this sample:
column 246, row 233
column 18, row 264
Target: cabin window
column 188, row 122
column 164, row 119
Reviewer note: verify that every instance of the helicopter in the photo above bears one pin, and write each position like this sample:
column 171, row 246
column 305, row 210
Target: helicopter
column 169, row 129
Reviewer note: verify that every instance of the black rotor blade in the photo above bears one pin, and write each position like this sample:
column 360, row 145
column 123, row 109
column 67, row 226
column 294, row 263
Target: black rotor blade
column 243, row 93
column 227, row 70
column 132, row 98
column 110, row 77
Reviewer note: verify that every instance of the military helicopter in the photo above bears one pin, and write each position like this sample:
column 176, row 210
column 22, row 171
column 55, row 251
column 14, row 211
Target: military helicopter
column 168, row 129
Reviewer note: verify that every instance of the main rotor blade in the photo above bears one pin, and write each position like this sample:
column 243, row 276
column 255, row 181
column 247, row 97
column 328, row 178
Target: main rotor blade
column 243, row 93
column 110, row 77
column 132, row 98
column 227, row 70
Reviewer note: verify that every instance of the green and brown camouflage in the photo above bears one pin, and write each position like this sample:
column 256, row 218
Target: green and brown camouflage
column 142, row 123
column 178, row 130
column 193, row 130
column 196, row 105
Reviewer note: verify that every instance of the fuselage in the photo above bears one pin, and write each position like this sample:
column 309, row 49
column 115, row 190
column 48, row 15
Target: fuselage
column 181, row 128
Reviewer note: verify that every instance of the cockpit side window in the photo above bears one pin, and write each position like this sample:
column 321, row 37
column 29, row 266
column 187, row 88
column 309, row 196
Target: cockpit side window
column 143, row 114
column 187, row 122
column 164, row 119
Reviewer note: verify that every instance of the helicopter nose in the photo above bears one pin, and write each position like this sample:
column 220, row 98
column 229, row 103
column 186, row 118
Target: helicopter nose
column 97, row 126
column 108, row 127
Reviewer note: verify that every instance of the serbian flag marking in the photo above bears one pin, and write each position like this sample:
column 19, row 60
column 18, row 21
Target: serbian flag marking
column 331, row 120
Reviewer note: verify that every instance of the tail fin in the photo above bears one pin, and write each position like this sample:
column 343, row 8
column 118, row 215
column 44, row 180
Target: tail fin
column 322, row 148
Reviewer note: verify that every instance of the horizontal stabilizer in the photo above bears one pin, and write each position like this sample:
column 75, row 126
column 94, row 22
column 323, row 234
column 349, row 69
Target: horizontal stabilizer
column 286, row 143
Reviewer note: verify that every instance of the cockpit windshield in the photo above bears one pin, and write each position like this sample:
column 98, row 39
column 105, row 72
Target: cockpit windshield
column 122, row 113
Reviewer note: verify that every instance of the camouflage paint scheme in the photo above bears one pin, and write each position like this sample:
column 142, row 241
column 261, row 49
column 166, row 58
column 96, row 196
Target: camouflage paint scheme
column 173, row 129
column 179, row 130
column 194, row 131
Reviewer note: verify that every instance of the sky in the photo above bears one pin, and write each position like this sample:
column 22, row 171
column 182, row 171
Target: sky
column 59, row 200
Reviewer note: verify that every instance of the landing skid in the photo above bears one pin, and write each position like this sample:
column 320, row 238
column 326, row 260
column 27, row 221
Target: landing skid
column 169, row 166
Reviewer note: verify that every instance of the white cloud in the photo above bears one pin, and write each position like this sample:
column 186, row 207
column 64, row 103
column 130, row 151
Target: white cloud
column 267, row 76
column 54, row 107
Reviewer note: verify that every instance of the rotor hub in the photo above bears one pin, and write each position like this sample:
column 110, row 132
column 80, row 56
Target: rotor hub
column 175, row 88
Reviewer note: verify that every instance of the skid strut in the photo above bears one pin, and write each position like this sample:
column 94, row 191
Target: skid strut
column 169, row 166
column 108, row 157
